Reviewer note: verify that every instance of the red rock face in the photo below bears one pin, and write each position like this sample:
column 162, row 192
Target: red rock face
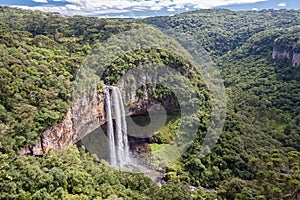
column 83, row 117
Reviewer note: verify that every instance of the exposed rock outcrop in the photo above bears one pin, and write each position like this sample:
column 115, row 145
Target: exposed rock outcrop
column 294, row 57
column 143, row 105
column 88, row 114
column 84, row 116
column 136, row 90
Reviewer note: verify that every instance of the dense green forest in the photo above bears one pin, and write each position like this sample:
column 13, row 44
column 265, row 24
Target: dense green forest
column 256, row 157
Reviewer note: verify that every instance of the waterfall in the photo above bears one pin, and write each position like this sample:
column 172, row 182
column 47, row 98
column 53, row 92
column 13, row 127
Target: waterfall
column 110, row 130
column 118, row 140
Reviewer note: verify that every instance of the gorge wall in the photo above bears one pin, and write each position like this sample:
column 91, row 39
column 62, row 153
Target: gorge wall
column 293, row 57
column 88, row 114
column 136, row 91
column 84, row 116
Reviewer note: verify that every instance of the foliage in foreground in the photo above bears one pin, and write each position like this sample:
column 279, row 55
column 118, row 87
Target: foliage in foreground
column 74, row 174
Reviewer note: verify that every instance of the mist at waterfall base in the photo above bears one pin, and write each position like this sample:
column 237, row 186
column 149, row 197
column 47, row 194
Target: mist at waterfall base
column 111, row 141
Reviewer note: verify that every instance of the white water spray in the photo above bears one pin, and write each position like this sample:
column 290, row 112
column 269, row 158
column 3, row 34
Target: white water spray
column 118, row 140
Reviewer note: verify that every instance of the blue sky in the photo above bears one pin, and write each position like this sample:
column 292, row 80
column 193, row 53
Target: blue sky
column 144, row 8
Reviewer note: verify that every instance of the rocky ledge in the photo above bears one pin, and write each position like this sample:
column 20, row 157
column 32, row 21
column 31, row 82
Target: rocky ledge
column 84, row 116
column 294, row 57
column 88, row 114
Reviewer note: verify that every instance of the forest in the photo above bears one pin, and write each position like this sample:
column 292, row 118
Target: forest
column 256, row 157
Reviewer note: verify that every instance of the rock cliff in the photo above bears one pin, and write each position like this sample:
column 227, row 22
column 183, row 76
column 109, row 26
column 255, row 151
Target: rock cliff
column 136, row 90
column 84, row 116
column 88, row 114
column 294, row 57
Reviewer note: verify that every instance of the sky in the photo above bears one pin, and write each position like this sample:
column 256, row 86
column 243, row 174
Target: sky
column 144, row 8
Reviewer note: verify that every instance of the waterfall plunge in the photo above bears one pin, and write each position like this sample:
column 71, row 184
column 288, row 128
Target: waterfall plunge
column 118, row 140
column 110, row 130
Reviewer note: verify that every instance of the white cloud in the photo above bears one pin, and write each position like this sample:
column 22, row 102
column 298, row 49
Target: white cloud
column 96, row 7
column 282, row 4
column 72, row 7
column 171, row 9
column 140, row 8
column 156, row 8
column 41, row 1
column 179, row 6
column 67, row 11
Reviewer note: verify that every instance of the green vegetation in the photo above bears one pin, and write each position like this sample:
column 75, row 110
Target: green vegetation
column 220, row 30
column 289, row 40
column 36, row 76
column 257, row 156
column 70, row 174
column 263, row 110
column 40, row 56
